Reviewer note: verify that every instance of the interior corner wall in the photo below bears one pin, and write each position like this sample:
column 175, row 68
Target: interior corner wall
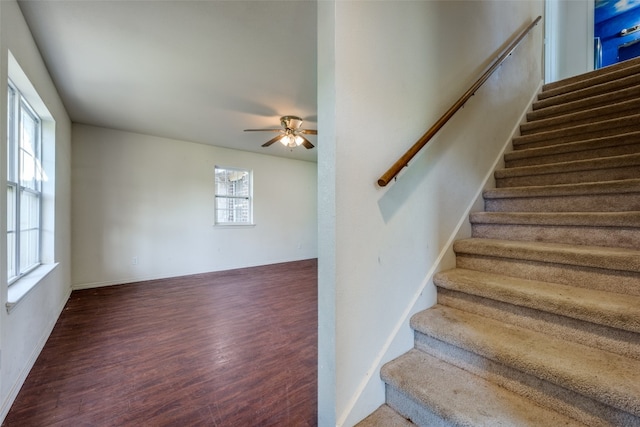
column 390, row 70
column 25, row 330
column 143, row 208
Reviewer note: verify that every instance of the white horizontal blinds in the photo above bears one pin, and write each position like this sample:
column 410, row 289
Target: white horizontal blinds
column 24, row 186
column 233, row 196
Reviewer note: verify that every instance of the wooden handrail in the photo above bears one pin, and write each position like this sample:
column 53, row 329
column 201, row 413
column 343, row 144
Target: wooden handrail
column 404, row 160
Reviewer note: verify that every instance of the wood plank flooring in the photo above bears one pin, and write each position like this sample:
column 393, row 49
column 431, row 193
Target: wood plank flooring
column 232, row 348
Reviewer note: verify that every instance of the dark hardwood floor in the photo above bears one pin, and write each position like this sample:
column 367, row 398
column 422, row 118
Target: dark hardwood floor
column 233, row 348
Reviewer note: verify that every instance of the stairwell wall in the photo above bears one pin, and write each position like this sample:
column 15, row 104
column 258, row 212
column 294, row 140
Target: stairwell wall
column 387, row 71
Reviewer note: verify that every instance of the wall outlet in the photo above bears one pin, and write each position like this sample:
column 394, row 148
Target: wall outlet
column 134, row 260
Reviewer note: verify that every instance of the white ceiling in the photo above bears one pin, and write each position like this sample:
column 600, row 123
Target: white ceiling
column 198, row 71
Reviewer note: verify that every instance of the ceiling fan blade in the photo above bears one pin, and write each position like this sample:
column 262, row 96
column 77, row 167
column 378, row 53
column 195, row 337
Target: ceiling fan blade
column 272, row 140
column 263, row 130
column 309, row 131
column 307, row 144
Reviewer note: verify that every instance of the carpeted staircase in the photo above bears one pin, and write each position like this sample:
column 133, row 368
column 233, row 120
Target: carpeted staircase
column 539, row 324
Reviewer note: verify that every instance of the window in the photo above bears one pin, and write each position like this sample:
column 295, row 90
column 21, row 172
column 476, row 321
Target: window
column 24, row 186
column 233, row 197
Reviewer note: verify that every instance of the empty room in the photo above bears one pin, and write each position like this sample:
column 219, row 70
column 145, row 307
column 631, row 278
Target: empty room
column 163, row 270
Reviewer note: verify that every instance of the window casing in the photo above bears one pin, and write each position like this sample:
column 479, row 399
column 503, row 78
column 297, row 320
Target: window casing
column 24, row 186
column 233, row 196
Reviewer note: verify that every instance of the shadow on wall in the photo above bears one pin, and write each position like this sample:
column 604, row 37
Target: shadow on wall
column 409, row 180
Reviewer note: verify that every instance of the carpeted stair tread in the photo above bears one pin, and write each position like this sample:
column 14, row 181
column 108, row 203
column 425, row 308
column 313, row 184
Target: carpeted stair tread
column 599, row 307
column 385, row 416
column 605, row 258
column 589, row 188
column 587, row 92
column 463, row 399
column 626, row 143
column 550, row 108
column 615, row 340
column 591, row 115
column 592, row 74
column 613, row 229
column 571, row 166
column 595, row 219
column 600, row 375
column 613, row 168
column 604, row 128
column 606, row 196
column 591, row 82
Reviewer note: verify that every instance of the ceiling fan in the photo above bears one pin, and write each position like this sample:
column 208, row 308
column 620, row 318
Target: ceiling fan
column 290, row 135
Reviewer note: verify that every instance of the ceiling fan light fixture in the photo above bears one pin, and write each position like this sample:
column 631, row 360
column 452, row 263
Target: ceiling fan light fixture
column 291, row 135
column 290, row 140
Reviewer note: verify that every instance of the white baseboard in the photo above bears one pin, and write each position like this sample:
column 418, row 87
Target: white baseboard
column 124, row 281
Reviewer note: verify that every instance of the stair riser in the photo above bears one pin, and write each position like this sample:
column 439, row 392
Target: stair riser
column 586, row 277
column 610, row 79
column 620, row 237
column 547, row 109
column 619, row 150
column 597, row 203
column 535, row 126
column 408, row 408
column 568, row 302
column 605, row 174
column 583, row 408
column 547, row 98
column 605, row 338
column 575, row 135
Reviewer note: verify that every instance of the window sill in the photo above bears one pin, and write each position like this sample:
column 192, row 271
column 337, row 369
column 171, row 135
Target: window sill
column 19, row 289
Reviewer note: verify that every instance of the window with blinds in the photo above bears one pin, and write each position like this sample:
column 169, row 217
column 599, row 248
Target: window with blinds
column 24, row 186
column 233, row 196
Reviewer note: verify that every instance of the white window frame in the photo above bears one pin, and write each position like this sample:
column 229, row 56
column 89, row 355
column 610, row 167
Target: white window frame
column 27, row 282
column 223, row 199
column 18, row 182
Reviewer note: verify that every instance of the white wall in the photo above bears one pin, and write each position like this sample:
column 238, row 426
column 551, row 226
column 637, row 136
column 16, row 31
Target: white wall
column 151, row 198
column 387, row 71
column 25, row 330
column 569, row 38
column 327, row 261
